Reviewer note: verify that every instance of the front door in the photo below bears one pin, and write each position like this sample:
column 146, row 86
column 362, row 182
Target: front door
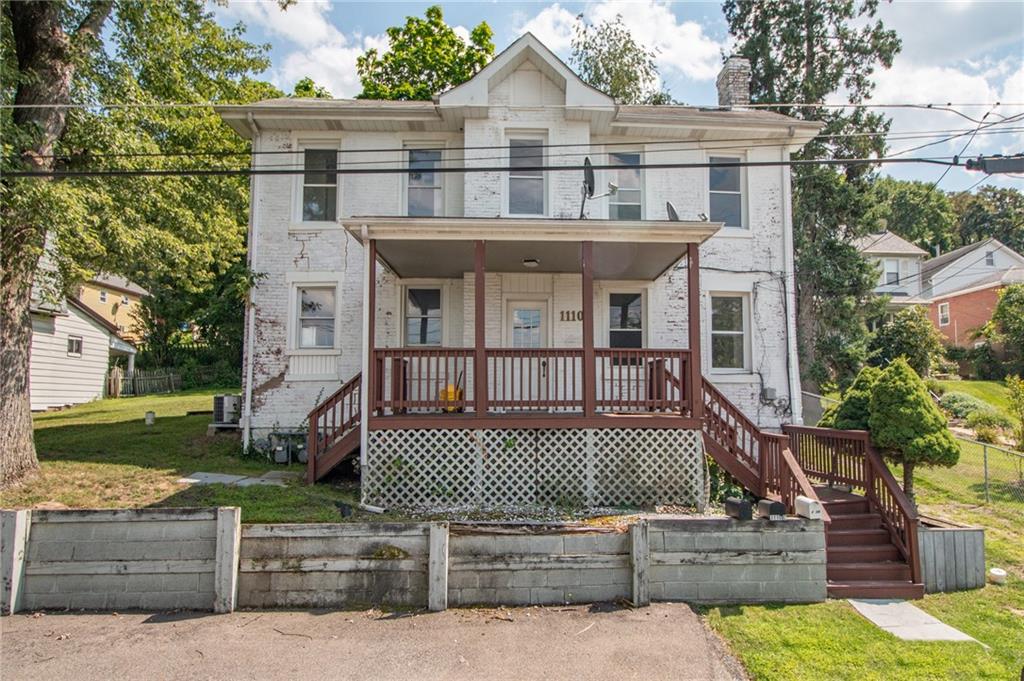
column 527, row 329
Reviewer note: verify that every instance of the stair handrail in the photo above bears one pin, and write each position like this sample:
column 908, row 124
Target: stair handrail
column 738, row 440
column 320, row 437
column 901, row 521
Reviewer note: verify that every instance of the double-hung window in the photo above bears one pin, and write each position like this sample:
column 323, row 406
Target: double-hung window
column 990, row 258
column 725, row 186
column 625, row 320
column 729, row 335
column 320, row 185
column 424, row 191
column 423, row 316
column 103, row 296
column 316, row 312
column 74, row 346
column 525, row 185
column 943, row 314
column 625, row 204
column 892, row 272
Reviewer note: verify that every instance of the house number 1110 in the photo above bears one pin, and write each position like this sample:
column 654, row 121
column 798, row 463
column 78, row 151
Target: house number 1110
column 572, row 315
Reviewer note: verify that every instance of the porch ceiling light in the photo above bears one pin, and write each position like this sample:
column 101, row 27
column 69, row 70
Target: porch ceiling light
column 531, row 262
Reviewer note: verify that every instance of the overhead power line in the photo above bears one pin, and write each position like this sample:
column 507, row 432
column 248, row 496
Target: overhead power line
column 199, row 172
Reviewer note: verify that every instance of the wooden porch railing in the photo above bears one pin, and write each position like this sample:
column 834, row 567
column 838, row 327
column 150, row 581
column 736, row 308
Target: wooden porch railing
column 847, row 456
column 331, row 422
column 439, row 380
column 738, row 438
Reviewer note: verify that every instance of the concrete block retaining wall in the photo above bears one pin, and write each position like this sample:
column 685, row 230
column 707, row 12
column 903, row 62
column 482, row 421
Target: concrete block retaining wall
column 148, row 559
column 333, row 565
column 202, row 559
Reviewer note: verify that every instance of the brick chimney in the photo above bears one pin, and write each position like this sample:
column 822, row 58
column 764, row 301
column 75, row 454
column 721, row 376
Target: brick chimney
column 734, row 82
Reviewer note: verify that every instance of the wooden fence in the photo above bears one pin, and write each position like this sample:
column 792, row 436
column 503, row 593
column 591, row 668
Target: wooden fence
column 121, row 383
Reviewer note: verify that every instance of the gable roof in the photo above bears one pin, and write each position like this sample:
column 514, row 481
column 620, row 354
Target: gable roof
column 1008, row 277
column 887, row 243
column 120, row 283
column 932, row 266
column 107, row 326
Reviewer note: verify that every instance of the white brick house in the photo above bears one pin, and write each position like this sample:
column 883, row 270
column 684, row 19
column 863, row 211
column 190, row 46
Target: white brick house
column 433, row 239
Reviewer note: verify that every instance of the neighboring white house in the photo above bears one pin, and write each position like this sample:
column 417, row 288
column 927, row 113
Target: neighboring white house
column 439, row 237
column 964, row 267
column 899, row 264
column 71, row 350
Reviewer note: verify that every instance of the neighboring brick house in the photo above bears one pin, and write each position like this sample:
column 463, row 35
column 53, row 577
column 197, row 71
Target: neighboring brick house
column 116, row 300
column 959, row 314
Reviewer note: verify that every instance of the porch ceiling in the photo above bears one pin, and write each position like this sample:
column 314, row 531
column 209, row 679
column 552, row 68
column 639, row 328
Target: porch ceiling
column 444, row 247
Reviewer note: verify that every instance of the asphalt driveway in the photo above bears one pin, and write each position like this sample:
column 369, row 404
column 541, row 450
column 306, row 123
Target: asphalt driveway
column 664, row 641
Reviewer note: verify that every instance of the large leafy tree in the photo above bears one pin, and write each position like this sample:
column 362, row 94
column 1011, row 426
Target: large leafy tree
column 608, row 57
column 991, row 211
column 916, row 211
column 307, row 87
column 425, row 57
column 805, row 53
column 64, row 63
column 1007, row 325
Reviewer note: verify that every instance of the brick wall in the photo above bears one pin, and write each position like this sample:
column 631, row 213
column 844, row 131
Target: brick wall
column 967, row 313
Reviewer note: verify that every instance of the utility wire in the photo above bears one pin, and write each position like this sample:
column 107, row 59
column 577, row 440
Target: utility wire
column 967, row 144
column 199, row 172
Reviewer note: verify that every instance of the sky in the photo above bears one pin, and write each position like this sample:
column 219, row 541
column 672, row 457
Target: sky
column 959, row 51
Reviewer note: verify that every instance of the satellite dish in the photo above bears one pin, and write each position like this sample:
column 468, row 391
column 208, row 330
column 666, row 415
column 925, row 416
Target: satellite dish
column 588, row 177
column 671, row 210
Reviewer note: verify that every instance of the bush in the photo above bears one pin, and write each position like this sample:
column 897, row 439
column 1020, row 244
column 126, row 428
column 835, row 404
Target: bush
column 987, row 434
column 909, row 334
column 986, row 365
column 962, row 405
column 988, row 418
column 854, row 409
column 934, row 387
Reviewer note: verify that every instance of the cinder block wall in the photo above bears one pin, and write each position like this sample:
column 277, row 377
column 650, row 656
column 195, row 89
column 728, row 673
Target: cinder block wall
column 721, row 560
column 525, row 569
column 333, row 565
column 149, row 559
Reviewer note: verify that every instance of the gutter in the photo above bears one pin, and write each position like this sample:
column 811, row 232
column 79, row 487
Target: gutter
column 250, row 317
column 789, row 258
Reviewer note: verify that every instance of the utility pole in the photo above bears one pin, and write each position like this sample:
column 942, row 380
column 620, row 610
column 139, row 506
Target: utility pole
column 992, row 165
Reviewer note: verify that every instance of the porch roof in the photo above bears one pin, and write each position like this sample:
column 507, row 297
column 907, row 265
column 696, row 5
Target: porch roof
column 444, row 247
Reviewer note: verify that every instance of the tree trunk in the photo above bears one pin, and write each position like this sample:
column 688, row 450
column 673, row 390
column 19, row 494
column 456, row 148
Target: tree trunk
column 46, row 64
column 908, row 481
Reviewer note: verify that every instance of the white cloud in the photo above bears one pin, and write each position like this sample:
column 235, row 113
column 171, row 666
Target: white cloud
column 332, row 66
column 305, row 23
column 553, row 26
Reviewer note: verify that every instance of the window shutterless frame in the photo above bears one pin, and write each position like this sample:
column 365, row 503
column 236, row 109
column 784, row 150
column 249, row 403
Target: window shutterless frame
column 627, row 202
column 730, row 339
column 74, row 346
column 316, row 314
column 943, row 314
column 726, row 193
column 423, row 194
column 424, row 316
column 526, row 190
column 891, row 275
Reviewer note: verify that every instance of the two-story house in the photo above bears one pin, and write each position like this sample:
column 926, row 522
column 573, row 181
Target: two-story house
column 472, row 333
column 116, row 300
column 899, row 265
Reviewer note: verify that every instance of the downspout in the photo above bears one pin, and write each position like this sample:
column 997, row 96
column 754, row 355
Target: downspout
column 250, row 321
column 795, row 397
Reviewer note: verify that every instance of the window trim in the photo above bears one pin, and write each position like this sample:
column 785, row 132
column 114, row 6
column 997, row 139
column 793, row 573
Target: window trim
column 125, row 300
column 297, row 280
column 300, row 145
column 886, row 272
column 102, row 296
column 408, row 145
column 438, row 284
column 990, row 258
column 940, row 314
column 81, row 346
column 744, row 227
column 535, row 136
column 747, row 332
column 639, row 151
column 606, row 322
column 297, row 334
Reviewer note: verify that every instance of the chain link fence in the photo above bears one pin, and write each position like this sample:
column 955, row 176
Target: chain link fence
column 985, row 473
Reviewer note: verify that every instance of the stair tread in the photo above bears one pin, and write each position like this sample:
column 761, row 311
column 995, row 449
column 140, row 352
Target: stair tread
column 859, row 530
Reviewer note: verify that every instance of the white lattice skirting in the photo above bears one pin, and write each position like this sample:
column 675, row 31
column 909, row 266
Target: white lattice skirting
column 533, row 467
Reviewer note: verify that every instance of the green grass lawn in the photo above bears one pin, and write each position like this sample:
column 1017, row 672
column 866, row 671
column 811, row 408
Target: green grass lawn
column 992, row 392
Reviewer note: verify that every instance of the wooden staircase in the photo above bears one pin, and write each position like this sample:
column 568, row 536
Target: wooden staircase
column 863, row 561
column 334, row 430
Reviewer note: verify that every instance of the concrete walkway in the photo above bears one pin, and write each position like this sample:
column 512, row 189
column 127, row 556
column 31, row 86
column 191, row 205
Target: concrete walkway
column 664, row 641
column 906, row 621
column 274, row 478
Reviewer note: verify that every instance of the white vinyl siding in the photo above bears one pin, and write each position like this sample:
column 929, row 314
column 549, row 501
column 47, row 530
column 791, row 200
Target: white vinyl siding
column 57, row 379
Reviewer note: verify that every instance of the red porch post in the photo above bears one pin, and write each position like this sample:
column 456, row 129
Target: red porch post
column 373, row 390
column 479, row 335
column 589, row 358
column 693, row 312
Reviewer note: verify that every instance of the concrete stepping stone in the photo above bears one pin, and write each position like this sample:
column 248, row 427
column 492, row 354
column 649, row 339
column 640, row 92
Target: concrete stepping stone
column 201, row 478
column 906, row 621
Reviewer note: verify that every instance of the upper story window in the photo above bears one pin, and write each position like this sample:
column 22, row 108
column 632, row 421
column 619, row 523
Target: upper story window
column 74, row 346
column 423, row 316
column 990, row 259
column 320, row 185
column 125, row 300
column 424, row 189
column 525, row 187
column 730, row 339
column 625, row 204
column 316, row 317
column 891, row 272
column 726, row 192
column 103, row 296
column 625, row 320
